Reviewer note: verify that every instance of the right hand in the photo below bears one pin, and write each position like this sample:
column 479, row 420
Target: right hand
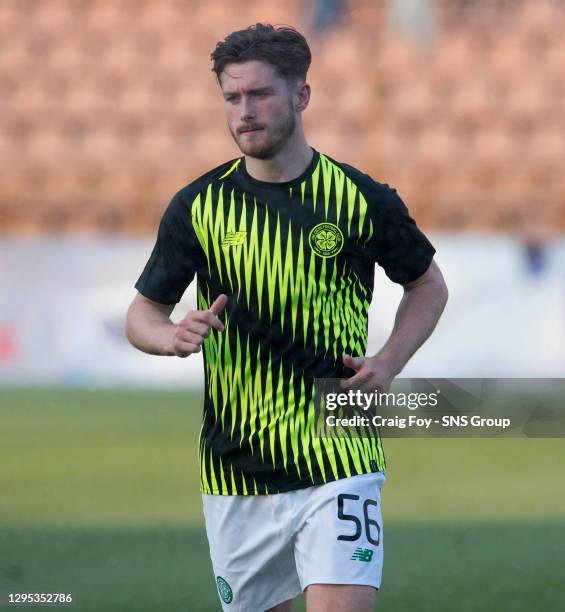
column 191, row 332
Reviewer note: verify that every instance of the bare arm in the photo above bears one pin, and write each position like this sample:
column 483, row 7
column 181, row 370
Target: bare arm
column 148, row 326
column 150, row 329
column 418, row 313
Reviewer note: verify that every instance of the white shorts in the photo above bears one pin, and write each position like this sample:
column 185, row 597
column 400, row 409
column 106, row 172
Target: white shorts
column 266, row 549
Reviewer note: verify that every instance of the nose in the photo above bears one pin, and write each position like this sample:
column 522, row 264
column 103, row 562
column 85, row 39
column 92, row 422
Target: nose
column 247, row 109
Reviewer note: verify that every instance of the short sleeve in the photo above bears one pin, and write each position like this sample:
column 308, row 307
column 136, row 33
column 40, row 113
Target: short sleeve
column 173, row 262
column 397, row 245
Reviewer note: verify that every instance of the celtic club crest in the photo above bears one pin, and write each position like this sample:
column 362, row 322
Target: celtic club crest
column 326, row 239
column 224, row 590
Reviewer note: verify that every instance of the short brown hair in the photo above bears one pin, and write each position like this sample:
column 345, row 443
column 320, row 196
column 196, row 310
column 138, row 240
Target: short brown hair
column 282, row 46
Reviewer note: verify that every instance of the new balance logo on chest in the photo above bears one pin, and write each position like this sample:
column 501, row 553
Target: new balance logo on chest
column 234, row 239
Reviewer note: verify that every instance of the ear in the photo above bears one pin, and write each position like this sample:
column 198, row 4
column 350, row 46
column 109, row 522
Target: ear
column 301, row 97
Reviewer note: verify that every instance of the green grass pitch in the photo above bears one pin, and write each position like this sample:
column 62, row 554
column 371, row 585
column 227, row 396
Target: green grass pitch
column 99, row 497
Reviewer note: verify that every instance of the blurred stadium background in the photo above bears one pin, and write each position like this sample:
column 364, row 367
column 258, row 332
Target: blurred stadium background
column 107, row 108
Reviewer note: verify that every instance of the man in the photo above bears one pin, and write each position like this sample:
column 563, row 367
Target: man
column 283, row 241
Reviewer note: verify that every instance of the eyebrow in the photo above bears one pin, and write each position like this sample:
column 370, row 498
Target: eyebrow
column 253, row 90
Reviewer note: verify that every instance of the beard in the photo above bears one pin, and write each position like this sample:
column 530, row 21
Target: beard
column 272, row 140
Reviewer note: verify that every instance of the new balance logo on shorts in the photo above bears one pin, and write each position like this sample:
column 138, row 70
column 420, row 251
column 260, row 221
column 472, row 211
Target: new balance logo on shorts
column 362, row 554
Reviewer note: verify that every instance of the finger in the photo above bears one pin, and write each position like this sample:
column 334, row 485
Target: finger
column 354, row 363
column 216, row 308
column 356, row 382
column 184, row 349
column 219, row 304
column 208, row 318
column 193, row 338
column 371, row 385
column 196, row 327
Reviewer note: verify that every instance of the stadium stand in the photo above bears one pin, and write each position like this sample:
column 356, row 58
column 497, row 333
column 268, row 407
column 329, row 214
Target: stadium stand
column 108, row 106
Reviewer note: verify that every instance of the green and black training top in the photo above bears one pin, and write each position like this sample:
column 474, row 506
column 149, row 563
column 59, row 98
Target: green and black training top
column 296, row 260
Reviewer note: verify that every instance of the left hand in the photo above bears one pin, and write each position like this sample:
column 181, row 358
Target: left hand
column 371, row 374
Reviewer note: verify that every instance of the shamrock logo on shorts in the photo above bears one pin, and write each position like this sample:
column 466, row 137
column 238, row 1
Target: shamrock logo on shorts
column 224, row 590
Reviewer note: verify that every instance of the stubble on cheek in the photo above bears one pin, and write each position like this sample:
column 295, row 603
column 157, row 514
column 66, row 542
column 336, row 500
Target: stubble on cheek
column 267, row 142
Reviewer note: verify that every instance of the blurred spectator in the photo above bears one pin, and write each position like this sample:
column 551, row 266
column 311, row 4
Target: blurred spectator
column 327, row 14
column 536, row 255
column 416, row 19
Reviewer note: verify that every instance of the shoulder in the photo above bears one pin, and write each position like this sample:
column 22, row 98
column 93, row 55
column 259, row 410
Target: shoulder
column 373, row 191
column 188, row 193
column 175, row 214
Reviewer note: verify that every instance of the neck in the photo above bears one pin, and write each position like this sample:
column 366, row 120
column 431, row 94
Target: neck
column 288, row 164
